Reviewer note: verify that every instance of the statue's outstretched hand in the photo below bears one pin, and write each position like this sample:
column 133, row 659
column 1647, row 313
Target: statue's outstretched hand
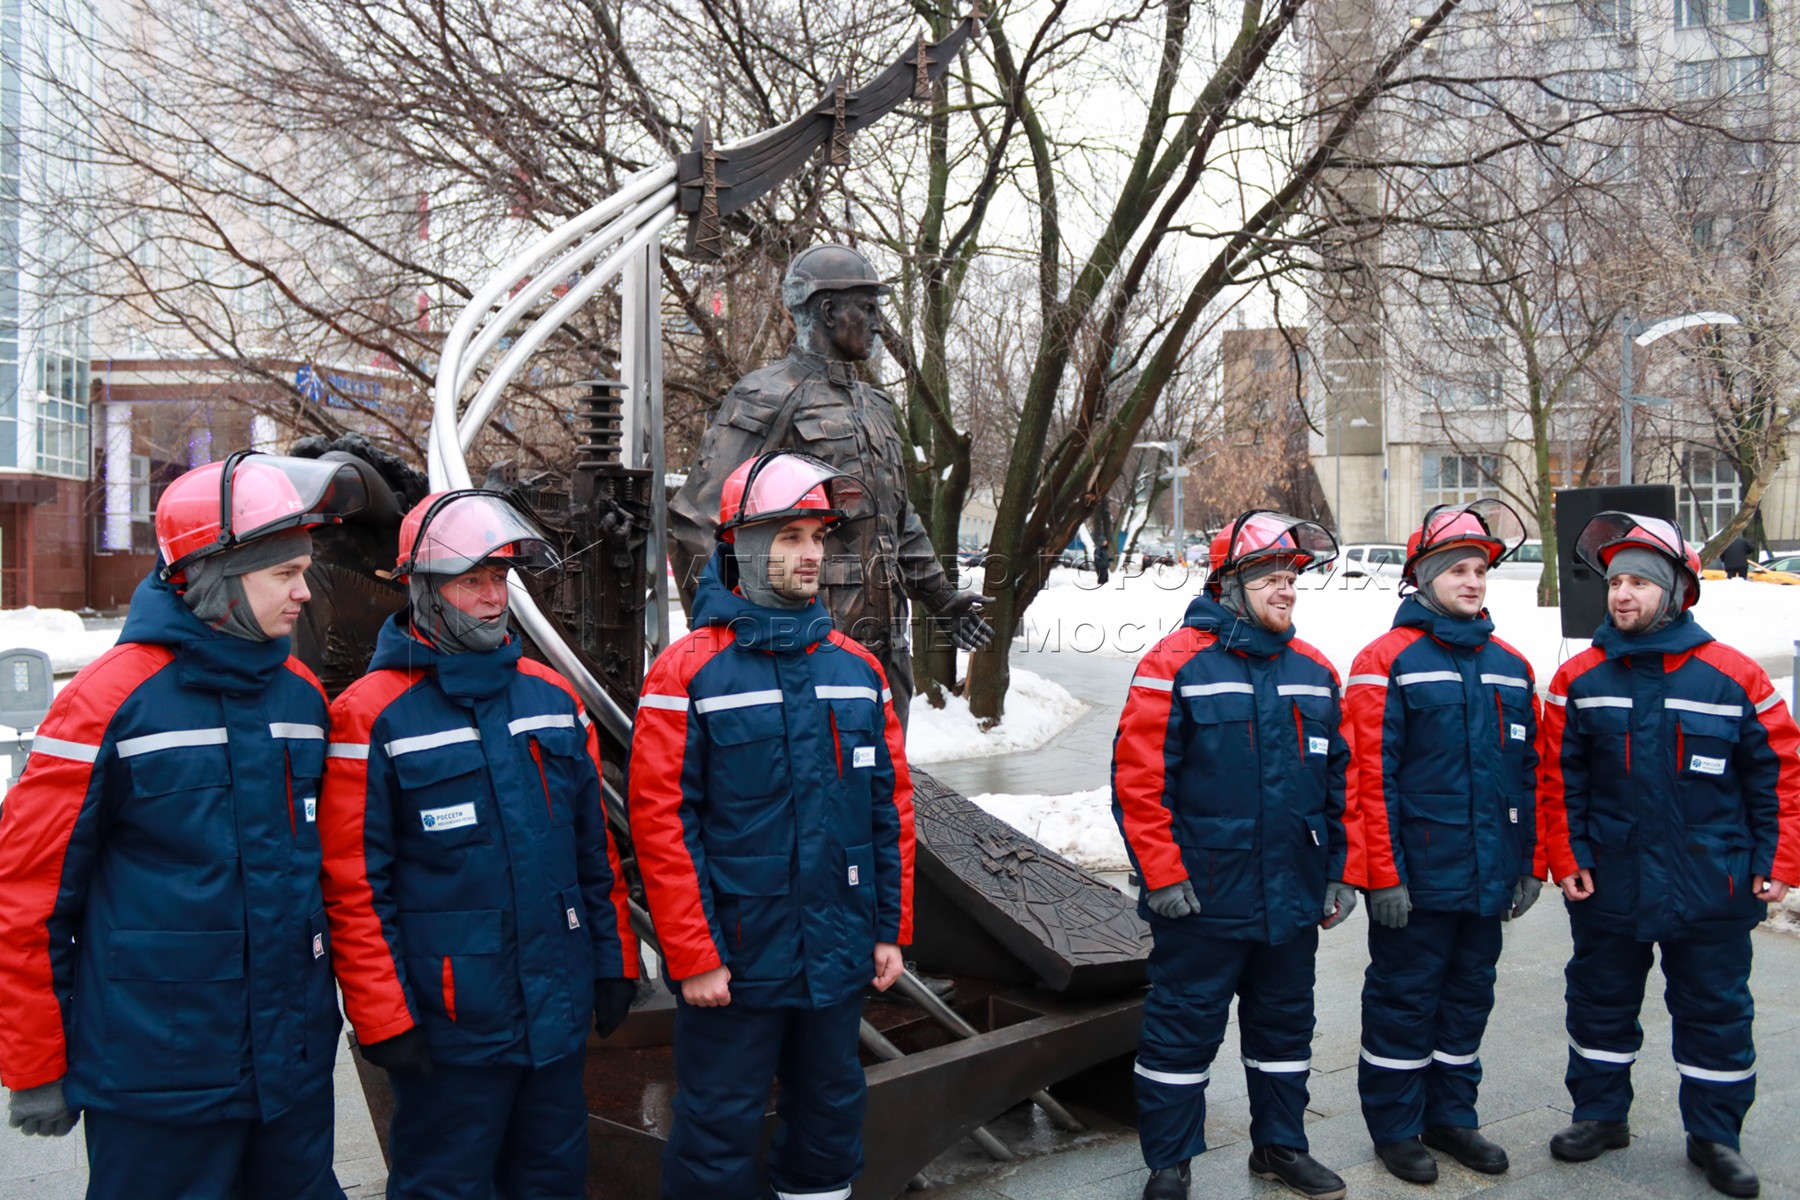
column 962, row 612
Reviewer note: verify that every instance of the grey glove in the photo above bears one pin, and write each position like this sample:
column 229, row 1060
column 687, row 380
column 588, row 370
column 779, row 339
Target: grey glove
column 1389, row 906
column 1176, row 900
column 41, row 1111
column 962, row 612
column 1525, row 894
column 1340, row 902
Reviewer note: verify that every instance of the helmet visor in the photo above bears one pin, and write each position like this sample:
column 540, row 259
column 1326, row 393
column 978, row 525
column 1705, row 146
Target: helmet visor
column 1260, row 535
column 465, row 529
column 779, row 484
column 1610, row 529
column 265, row 493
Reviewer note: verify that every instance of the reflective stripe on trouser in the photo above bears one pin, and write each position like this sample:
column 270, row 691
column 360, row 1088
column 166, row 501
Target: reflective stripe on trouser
column 726, row 1059
column 1193, row 977
column 1425, row 1004
column 1707, row 990
column 465, row 1130
column 288, row 1158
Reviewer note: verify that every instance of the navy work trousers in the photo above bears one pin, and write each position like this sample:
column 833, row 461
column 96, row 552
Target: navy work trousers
column 288, row 1158
column 1193, row 977
column 1425, row 1004
column 465, row 1131
column 725, row 1061
column 1707, row 989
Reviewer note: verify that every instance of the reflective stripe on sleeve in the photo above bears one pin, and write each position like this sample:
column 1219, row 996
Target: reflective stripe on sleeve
column 347, row 750
column 174, row 739
column 1371, row 680
column 58, row 748
column 738, row 700
column 1773, row 699
column 1154, row 684
column 672, row 703
column 1553, row 698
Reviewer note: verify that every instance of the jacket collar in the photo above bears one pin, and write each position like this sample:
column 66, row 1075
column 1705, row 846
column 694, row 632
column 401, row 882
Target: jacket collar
column 754, row 627
column 836, row 370
column 1235, row 632
column 1678, row 636
column 1469, row 633
column 475, row 674
column 206, row 659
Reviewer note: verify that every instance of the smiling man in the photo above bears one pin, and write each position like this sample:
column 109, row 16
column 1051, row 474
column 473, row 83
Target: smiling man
column 771, row 811
column 164, row 961
column 478, row 911
column 1671, row 793
column 1442, row 720
column 1228, row 784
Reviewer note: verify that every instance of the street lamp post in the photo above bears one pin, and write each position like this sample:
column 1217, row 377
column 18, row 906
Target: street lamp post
column 1173, row 450
column 1642, row 333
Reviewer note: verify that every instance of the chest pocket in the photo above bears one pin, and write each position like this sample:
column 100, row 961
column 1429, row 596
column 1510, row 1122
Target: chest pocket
column 559, row 755
column 445, row 802
column 1436, row 754
column 181, row 805
column 1705, row 760
column 1607, row 730
column 1220, row 736
column 748, row 753
column 1313, row 726
column 305, row 767
column 858, row 733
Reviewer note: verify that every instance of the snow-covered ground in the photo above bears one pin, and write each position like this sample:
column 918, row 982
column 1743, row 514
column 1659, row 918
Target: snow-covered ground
column 1036, row 711
column 1340, row 616
column 1079, row 826
column 58, row 633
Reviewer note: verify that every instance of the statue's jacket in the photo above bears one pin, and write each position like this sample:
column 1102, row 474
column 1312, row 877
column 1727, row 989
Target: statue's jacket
column 771, row 806
column 818, row 406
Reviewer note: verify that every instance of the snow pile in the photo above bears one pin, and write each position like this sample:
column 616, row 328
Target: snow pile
column 1340, row 616
column 58, row 633
column 1036, row 711
column 1078, row 826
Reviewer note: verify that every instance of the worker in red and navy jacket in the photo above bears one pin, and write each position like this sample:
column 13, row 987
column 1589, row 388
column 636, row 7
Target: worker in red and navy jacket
column 771, row 813
column 164, row 966
column 1671, row 819
column 1228, row 784
column 479, row 917
column 1441, row 717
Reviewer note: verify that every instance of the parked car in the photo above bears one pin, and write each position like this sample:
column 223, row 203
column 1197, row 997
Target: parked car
column 1758, row 573
column 1787, row 562
column 1363, row 559
column 1527, row 562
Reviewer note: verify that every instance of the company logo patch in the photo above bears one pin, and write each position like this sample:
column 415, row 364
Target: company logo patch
column 855, row 875
column 318, row 945
column 574, row 921
column 436, row 820
column 1518, row 733
column 312, row 809
column 1702, row 765
column 1315, row 745
column 863, row 757
column 1512, row 814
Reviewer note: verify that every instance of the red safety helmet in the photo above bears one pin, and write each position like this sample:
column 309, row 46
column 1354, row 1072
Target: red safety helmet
column 1610, row 532
column 784, row 484
column 1264, row 533
column 221, row 505
column 448, row 533
column 1489, row 524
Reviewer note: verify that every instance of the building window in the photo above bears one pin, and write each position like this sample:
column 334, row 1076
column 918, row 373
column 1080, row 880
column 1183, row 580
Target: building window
column 1615, row 87
column 1557, row 20
column 1693, row 80
column 1609, row 16
column 1459, row 478
column 1264, row 360
column 1746, row 74
column 1709, row 495
column 1745, row 10
column 1690, row 14
column 62, row 416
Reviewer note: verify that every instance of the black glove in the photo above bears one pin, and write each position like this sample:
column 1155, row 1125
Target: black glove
column 962, row 612
column 403, row 1054
column 613, row 999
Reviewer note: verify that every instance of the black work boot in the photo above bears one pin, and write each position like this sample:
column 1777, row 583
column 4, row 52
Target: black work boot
column 1725, row 1168
column 1467, row 1147
column 1170, row 1183
column 1589, row 1139
column 1408, row 1160
column 1300, row 1171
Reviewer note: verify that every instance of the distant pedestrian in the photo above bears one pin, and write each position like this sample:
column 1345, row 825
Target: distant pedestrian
column 1736, row 558
column 1442, row 719
column 1102, row 560
column 1671, row 794
column 1228, row 784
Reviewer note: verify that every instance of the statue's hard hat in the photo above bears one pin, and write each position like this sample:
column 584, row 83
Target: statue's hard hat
column 828, row 268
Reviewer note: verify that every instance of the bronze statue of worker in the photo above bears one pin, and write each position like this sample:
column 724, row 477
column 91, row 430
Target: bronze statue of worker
column 812, row 400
